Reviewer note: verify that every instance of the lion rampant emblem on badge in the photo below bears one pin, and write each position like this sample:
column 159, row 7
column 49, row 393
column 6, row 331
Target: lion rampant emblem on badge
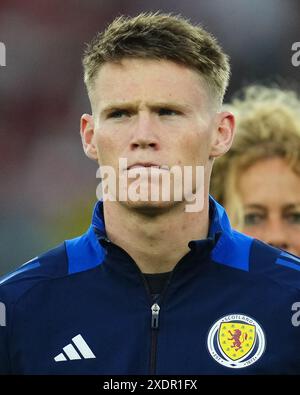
column 238, row 338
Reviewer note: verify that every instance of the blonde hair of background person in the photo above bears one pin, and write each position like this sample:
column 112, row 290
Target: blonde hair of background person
column 267, row 127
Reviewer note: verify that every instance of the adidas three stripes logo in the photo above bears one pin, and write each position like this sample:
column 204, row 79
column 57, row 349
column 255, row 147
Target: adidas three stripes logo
column 81, row 351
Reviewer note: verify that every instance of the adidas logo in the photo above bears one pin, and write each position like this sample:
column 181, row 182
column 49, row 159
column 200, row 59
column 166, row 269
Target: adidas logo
column 73, row 353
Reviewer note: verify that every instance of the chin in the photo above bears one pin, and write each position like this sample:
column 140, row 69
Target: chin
column 149, row 207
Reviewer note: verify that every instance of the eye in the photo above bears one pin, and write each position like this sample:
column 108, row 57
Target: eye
column 167, row 111
column 253, row 218
column 118, row 114
column 293, row 218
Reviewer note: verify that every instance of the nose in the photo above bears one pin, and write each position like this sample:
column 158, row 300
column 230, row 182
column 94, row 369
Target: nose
column 144, row 135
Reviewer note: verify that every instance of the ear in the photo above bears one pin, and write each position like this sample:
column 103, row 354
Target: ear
column 87, row 136
column 223, row 134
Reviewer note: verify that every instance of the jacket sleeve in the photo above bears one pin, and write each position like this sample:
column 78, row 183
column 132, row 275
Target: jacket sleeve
column 4, row 348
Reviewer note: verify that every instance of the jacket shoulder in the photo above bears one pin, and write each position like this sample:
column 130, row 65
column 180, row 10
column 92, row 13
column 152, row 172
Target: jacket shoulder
column 71, row 257
column 242, row 252
column 279, row 265
column 51, row 264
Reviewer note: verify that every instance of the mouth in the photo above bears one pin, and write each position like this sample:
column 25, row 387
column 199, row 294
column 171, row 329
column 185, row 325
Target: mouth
column 147, row 165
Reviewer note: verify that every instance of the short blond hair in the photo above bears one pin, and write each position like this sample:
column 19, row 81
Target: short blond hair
column 267, row 125
column 159, row 36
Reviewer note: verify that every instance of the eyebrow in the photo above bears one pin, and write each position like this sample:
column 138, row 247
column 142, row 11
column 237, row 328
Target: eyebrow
column 255, row 206
column 153, row 106
column 292, row 206
column 287, row 207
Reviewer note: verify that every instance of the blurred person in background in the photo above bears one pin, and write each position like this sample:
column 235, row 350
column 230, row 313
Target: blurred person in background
column 258, row 180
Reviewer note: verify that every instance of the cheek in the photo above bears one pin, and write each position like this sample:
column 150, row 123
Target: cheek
column 295, row 238
column 194, row 148
column 106, row 147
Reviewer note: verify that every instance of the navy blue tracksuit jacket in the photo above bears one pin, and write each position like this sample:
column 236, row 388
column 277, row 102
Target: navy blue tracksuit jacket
column 228, row 307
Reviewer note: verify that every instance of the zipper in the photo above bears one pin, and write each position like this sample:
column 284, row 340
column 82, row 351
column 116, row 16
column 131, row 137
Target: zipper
column 155, row 310
column 154, row 333
column 155, row 316
column 154, row 322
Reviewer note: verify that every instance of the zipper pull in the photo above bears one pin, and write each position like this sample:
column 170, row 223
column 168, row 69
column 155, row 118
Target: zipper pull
column 155, row 314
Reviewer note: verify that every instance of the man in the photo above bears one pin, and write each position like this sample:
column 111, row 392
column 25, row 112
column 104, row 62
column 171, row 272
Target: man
column 154, row 287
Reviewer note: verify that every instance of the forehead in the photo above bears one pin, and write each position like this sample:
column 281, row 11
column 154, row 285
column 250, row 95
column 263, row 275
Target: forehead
column 148, row 80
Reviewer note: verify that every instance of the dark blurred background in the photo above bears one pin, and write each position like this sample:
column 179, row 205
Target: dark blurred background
column 47, row 185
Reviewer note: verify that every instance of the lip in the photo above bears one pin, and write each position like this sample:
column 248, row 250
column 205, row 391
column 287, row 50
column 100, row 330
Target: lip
column 143, row 164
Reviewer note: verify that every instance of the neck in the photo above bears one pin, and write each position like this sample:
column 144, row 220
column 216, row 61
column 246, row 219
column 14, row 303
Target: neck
column 158, row 241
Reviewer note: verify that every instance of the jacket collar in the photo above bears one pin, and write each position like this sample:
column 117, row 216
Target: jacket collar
column 226, row 246
column 218, row 219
